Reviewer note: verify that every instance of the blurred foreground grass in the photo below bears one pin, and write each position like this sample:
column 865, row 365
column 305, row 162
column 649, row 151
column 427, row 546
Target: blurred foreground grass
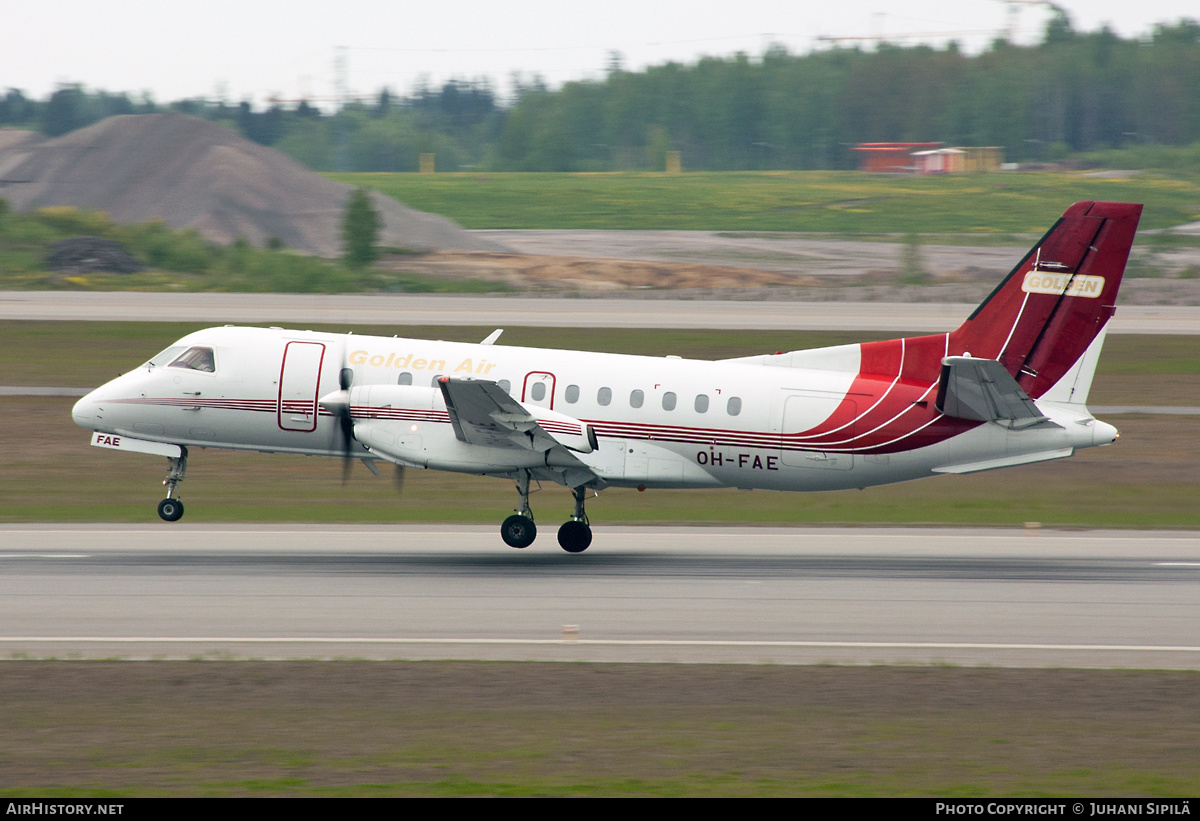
column 352, row 728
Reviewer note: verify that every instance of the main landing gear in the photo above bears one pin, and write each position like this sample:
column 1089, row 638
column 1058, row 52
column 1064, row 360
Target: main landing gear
column 576, row 534
column 170, row 509
column 519, row 530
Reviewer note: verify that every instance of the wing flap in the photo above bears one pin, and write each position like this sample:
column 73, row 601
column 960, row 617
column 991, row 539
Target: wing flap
column 483, row 413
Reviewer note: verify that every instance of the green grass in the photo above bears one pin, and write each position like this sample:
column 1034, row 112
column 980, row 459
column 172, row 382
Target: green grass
column 811, row 201
column 184, row 261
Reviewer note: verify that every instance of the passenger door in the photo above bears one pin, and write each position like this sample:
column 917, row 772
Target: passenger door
column 538, row 389
column 299, row 385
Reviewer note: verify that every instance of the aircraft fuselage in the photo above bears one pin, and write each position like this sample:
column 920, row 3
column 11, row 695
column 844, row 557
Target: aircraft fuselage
column 659, row 421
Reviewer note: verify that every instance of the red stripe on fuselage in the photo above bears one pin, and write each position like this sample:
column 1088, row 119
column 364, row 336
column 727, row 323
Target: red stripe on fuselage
column 897, row 416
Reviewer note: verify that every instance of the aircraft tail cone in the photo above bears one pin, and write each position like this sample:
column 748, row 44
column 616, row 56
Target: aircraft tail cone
column 1104, row 433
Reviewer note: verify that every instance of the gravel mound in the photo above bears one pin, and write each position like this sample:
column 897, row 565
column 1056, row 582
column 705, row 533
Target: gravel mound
column 191, row 173
column 14, row 149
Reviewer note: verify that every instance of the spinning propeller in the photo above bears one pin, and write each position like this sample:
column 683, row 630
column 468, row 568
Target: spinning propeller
column 338, row 404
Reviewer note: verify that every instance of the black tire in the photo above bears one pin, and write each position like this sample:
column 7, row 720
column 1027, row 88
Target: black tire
column 518, row 531
column 574, row 537
column 170, row 510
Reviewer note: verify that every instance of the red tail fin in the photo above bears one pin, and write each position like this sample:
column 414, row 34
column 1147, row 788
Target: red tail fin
column 1046, row 313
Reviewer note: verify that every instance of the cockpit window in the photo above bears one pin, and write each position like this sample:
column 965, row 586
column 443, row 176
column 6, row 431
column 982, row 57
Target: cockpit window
column 159, row 360
column 196, row 359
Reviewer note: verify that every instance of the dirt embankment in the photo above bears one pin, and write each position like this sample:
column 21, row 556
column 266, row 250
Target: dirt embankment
column 775, row 266
column 546, row 275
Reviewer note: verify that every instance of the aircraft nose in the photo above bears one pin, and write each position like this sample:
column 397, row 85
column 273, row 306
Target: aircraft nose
column 84, row 412
column 1103, row 433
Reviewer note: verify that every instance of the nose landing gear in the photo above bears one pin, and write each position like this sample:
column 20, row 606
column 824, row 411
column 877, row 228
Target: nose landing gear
column 170, row 509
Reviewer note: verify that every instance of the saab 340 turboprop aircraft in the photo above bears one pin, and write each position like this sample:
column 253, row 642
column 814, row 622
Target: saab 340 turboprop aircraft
column 1008, row 387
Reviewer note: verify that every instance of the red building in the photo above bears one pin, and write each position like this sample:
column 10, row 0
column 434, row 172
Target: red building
column 891, row 158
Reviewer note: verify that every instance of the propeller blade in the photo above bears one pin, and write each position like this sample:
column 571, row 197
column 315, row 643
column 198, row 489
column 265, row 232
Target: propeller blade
column 338, row 403
column 398, row 479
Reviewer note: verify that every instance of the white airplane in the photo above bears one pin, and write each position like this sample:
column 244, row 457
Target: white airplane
column 1008, row 387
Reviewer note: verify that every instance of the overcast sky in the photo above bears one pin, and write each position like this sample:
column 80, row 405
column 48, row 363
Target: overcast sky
column 253, row 49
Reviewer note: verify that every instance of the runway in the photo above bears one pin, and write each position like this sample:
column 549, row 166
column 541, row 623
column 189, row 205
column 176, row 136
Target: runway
column 703, row 594
column 509, row 312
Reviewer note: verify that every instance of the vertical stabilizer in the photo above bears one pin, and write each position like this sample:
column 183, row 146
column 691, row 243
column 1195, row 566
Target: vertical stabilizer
column 1042, row 320
column 1075, row 385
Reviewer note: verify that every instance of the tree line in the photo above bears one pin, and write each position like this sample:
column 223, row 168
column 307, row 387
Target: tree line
column 1072, row 92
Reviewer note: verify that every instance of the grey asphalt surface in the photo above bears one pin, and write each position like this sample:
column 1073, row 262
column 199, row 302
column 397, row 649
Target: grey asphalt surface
column 689, row 594
column 509, row 312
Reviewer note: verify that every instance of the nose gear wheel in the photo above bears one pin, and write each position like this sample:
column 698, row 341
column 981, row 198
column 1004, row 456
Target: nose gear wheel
column 170, row 509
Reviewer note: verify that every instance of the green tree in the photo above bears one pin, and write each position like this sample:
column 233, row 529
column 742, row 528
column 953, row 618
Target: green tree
column 64, row 111
column 360, row 230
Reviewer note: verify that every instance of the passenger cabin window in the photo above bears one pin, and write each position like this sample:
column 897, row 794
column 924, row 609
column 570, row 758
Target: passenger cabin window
column 668, row 401
column 537, row 391
column 702, row 403
column 505, row 386
column 604, row 396
column 404, row 379
column 571, row 394
column 636, row 399
column 433, row 383
column 734, row 406
column 196, row 359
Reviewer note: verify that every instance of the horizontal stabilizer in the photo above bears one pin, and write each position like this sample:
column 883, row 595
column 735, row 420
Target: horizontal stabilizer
column 983, row 391
column 1007, row 461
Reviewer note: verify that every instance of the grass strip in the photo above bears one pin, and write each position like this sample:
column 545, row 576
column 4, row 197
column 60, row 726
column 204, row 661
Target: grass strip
column 487, row 728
